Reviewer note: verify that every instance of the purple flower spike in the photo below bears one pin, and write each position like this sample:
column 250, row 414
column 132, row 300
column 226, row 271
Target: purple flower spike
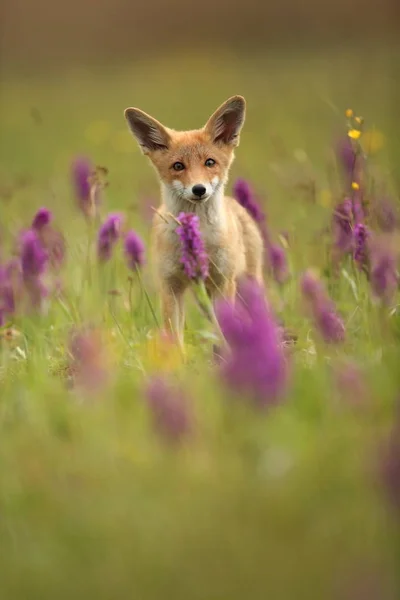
column 384, row 278
column 134, row 250
column 330, row 324
column 89, row 362
column 244, row 195
column 87, row 192
column 323, row 311
column 361, row 235
column 170, row 410
column 278, row 262
column 108, row 236
column 342, row 226
column 256, row 364
column 346, row 157
column 33, row 257
column 387, row 215
column 81, row 172
column 42, row 218
column 193, row 257
column 7, row 301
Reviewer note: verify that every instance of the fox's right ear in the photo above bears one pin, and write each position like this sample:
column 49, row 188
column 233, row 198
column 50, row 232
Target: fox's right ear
column 149, row 133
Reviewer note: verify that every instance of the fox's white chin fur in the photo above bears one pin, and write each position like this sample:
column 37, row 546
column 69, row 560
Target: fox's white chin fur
column 178, row 199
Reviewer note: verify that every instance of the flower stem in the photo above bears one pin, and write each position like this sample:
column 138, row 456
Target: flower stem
column 147, row 297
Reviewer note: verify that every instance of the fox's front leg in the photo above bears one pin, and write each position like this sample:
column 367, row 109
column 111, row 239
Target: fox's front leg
column 173, row 311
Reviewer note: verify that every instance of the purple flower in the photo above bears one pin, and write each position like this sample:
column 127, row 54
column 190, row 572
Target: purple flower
column 361, row 235
column 387, row 215
column 52, row 240
column 88, row 366
column 323, row 311
column 42, row 218
column 108, row 236
column 7, row 300
column 170, row 410
column 350, row 383
column 256, row 364
column 87, row 192
column 244, row 195
column 278, row 262
column 33, row 256
column 81, row 172
column 34, row 259
column 342, row 226
column 358, row 211
column 346, row 157
column 383, row 276
column 329, row 324
column 134, row 250
column 193, row 255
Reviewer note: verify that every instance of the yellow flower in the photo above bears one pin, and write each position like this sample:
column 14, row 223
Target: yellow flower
column 359, row 120
column 354, row 134
column 373, row 141
column 349, row 113
column 355, row 185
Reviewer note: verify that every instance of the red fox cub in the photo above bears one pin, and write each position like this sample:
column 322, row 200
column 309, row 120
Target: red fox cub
column 193, row 168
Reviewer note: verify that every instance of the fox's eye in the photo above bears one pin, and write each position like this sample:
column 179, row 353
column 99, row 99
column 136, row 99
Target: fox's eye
column 178, row 166
column 210, row 162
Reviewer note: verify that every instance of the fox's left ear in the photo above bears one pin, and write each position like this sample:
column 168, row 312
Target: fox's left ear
column 227, row 121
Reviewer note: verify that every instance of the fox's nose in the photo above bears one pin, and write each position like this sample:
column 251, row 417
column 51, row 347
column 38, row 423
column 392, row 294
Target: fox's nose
column 199, row 190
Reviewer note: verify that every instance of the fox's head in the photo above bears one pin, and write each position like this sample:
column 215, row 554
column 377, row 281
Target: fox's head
column 192, row 165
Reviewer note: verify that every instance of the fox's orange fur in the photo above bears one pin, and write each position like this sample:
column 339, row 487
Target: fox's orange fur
column 232, row 239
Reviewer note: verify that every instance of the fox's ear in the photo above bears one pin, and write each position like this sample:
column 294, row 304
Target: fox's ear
column 149, row 133
column 227, row 121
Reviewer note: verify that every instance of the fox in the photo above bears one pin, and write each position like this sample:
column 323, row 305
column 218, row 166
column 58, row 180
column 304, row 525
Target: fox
column 193, row 168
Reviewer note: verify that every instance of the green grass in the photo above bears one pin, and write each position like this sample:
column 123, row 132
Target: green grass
column 284, row 504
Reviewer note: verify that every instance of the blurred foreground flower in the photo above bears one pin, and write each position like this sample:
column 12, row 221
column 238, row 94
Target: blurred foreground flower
column 108, row 236
column 170, row 409
column 346, row 156
column 51, row 239
column 350, row 383
column 255, row 364
column 361, row 254
column 244, row 195
column 322, row 309
column 193, row 255
column 88, row 365
column 134, row 250
column 42, row 218
column 342, row 230
column 34, row 260
column 86, row 186
column 386, row 214
column 7, row 297
column 384, row 277
column 278, row 263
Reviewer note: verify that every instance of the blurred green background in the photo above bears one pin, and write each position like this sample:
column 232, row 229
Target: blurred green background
column 281, row 508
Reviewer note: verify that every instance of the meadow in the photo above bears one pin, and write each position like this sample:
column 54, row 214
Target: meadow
column 112, row 487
